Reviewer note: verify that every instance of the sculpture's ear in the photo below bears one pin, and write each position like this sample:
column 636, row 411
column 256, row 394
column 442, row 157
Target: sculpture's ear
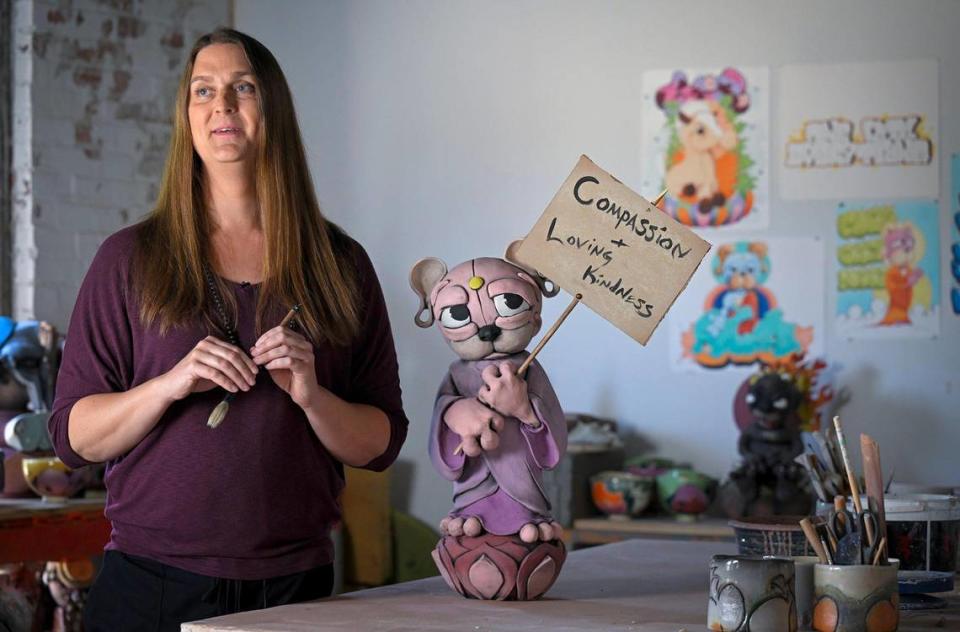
column 425, row 274
column 547, row 287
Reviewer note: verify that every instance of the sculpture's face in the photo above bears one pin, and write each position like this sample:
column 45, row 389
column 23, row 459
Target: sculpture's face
column 487, row 308
column 772, row 398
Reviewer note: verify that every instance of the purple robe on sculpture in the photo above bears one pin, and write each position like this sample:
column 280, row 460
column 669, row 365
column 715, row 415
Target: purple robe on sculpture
column 501, row 487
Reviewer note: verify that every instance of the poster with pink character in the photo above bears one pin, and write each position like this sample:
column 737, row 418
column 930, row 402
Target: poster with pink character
column 705, row 141
column 888, row 269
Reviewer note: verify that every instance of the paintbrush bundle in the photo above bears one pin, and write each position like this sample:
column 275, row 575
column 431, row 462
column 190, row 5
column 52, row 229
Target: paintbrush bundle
column 822, row 466
column 845, row 537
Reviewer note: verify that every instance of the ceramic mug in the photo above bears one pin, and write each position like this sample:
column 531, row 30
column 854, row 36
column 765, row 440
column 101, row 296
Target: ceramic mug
column 751, row 593
column 856, row 598
column 803, row 588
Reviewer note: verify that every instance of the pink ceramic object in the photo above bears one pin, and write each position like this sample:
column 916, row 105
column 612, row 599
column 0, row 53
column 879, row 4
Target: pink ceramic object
column 497, row 424
column 499, row 567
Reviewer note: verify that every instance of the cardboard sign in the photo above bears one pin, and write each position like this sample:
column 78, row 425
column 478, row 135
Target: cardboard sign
column 626, row 258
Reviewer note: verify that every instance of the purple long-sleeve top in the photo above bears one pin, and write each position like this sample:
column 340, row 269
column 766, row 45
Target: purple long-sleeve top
column 253, row 498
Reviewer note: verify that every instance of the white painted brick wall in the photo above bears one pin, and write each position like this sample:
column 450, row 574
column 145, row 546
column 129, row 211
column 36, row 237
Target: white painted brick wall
column 94, row 87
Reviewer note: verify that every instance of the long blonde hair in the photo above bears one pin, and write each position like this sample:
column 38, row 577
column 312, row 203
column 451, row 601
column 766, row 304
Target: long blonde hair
column 307, row 259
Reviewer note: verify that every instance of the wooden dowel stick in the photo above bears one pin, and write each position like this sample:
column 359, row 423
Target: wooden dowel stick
column 814, row 539
column 290, row 315
column 660, row 197
column 880, row 549
column 546, row 337
column 834, row 545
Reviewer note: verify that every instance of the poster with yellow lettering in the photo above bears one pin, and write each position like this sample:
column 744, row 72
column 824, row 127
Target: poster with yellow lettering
column 859, row 131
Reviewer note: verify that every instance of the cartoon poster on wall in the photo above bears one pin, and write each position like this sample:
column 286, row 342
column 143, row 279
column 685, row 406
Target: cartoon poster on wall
column 757, row 301
column 705, row 140
column 858, row 131
column 955, row 234
column 888, row 263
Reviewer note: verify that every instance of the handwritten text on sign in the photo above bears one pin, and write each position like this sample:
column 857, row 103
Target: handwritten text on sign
column 599, row 239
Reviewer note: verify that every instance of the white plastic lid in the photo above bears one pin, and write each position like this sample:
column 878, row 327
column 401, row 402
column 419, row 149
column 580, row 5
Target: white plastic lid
column 921, row 507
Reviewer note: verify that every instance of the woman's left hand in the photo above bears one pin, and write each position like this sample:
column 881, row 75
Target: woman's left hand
column 288, row 356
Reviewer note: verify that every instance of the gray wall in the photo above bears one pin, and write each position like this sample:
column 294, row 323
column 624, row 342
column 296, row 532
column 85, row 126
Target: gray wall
column 94, row 84
column 444, row 128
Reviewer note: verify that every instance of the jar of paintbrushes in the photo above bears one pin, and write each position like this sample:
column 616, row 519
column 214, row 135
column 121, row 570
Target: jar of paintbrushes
column 855, row 581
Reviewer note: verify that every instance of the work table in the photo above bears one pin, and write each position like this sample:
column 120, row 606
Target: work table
column 634, row 585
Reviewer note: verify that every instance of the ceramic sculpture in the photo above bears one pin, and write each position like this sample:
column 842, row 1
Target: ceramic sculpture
column 493, row 431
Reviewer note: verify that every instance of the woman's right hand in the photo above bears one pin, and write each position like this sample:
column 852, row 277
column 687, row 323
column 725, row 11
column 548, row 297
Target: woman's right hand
column 211, row 363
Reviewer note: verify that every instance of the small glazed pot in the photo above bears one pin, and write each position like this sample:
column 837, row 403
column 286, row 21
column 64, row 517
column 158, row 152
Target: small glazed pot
column 685, row 492
column 856, row 598
column 621, row 493
column 751, row 593
column 51, row 479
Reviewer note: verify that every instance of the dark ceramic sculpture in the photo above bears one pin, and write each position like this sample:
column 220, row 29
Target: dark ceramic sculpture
column 768, row 481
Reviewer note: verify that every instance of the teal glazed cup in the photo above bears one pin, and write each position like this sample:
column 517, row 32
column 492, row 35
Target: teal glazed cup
column 751, row 593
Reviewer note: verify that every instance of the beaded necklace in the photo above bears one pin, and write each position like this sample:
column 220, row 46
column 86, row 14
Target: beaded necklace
column 220, row 412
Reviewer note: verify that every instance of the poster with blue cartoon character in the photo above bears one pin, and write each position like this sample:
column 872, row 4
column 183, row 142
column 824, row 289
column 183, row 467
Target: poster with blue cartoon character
column 748, row 307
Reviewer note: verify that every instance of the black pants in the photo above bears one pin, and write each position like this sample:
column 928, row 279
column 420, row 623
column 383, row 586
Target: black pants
column 134, row 594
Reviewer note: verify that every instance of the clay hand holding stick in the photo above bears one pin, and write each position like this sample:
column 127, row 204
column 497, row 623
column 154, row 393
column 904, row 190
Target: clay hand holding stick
column 503, row 389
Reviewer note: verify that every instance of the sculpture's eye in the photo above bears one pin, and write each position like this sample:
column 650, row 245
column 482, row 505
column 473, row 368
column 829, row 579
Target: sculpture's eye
column 751, row 399
column 781, row 404
column 509, row 304
column 455, row 316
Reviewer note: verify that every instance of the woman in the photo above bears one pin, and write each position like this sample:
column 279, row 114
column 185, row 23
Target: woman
column 184, row 306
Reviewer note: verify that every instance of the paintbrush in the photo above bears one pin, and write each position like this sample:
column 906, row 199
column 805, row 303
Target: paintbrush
column 809, row 463
column 220, row 412
column 852, row 478
column 814, row 539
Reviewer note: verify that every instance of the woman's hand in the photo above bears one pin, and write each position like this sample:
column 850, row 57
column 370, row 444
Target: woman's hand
column 288, row 356
column 211, row 363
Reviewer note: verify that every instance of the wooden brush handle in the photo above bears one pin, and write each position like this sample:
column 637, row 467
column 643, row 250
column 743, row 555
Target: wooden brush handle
column 852, row 478
column 813, row 539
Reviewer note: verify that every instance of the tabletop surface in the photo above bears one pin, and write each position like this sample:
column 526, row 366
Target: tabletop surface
column 635, row 585
column 16, row 508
